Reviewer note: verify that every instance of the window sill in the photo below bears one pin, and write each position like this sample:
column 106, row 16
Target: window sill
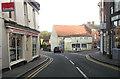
column 35, row 56
column 17, row 61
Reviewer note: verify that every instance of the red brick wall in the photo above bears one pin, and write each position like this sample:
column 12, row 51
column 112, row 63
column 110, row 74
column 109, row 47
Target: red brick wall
column 93, row 37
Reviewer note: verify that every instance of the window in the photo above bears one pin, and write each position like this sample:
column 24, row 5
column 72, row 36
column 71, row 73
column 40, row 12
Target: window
column 15, row 46
column 116, row 38
column 117, row 5
column 115, row 23
column 78, row 45
column 80, row 38
column 95, row 36
column 84, row 45
column 85, row 37
column 26, row 14
column 111, row 10
column 34, row 18
column 34, row 46
column 119, row 23
column 73, row 45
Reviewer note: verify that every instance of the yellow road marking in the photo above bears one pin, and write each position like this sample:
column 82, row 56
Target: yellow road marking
column 41, row 68
column 106, row 65
column 37, row 70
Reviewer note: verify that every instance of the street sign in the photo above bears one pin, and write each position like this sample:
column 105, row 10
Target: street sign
column 103, row 26
column 6, row 7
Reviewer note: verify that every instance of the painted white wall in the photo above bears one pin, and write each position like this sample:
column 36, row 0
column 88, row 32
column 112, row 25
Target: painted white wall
column 19, row 10
column 54, row 39
column 19, row 17
column 0, row 43
column 5, row 57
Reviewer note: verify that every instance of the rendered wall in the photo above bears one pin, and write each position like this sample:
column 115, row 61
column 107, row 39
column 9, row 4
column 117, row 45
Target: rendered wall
column 54, row 39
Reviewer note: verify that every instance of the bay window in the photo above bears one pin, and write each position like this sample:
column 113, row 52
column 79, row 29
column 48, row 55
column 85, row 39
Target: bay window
column 15, row 46
column 34, row 46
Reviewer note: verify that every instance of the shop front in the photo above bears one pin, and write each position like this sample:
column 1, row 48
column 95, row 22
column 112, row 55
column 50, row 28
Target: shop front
column 115, row 21
column 116, row 40
column 22, row 46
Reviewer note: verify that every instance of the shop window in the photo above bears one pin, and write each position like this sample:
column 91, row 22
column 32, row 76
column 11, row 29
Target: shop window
column 12, row 47
column 19, row 46
column 80, row 38
column 34, row 46
column 15, row 46
column 119, row 23
column 84, row 45
column 117, row 38
column 73, row 45
column 78, row 45
column 85, row 37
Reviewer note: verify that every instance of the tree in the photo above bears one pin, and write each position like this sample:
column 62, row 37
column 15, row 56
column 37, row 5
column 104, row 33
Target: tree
column 44, row 34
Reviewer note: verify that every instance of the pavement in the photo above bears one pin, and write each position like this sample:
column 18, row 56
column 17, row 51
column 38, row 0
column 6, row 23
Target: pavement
column 104, row 59
column 19, row 71
column 0, row 68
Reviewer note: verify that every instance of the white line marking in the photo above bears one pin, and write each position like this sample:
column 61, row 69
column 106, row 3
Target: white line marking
column 66, row 57
column 71, row 62
column 74, row 53
column 82, row 73
column 82, row 54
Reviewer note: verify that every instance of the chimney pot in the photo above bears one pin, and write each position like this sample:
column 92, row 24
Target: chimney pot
column 88, row 22
column 93, row 22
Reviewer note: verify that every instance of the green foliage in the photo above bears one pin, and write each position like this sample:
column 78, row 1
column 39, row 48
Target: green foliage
column 45, row 45
column 44, row 34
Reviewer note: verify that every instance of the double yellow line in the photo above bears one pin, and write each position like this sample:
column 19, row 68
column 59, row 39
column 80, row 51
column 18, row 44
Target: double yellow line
column 39, row 69
column 106, row 65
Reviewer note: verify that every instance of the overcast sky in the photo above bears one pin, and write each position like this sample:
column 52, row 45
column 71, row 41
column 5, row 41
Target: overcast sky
column 67, row 12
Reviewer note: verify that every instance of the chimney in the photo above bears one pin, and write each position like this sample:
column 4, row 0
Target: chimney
column 93, row 22
column 89, row 22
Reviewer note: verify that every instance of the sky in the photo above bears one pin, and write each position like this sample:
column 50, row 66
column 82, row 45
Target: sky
column 67, row 12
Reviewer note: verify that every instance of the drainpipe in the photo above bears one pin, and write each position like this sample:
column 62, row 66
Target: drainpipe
column 110, row 53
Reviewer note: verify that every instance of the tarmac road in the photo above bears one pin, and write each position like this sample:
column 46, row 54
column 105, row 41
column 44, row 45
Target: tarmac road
column 72, row 65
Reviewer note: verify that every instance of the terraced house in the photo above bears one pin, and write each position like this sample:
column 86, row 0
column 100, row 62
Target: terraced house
column 71, row 37
column 20, row 32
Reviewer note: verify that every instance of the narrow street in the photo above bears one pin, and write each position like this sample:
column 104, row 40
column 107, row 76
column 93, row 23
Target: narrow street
column 71, row 64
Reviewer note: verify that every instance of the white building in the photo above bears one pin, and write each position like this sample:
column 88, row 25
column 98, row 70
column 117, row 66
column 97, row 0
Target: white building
column 71, row 37
column 20, row 34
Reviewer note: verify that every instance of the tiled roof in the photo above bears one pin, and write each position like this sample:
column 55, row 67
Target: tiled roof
column 71, row 30
column 92, row 26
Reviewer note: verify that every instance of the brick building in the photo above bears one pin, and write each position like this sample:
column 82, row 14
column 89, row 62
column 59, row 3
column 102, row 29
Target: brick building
column 110, row 35
column 94, row 30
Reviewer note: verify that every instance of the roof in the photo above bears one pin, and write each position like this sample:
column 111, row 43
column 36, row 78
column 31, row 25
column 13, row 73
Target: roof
column 71, row 30
column 92, row 26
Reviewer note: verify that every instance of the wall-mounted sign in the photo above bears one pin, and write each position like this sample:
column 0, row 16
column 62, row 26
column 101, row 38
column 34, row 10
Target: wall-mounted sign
column 8, row 7
column 67, row 40
column 103, row 26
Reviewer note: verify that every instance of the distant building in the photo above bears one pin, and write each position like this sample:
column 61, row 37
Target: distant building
column 20, row 33
column 71, row 37
column 94, row 30
column 47, row 40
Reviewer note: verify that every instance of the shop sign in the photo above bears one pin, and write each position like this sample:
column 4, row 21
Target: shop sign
column 103, row 26
column 67, row 40
column 6, row 7
column 21, row 32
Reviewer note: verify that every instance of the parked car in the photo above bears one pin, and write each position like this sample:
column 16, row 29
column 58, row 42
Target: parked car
column 58, row 50
column 98, row 47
